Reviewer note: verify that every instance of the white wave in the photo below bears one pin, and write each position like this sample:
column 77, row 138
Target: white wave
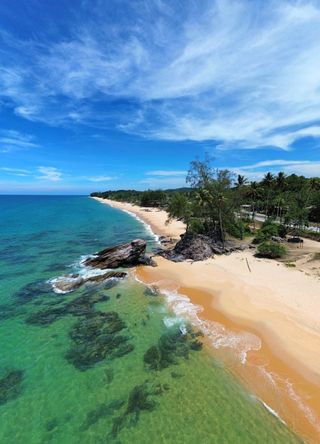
column 170, row 321
column 145, row 224
column 220, row 337
column 273, row 412
column 53, row 282
column 278, row 383
column 310, row 415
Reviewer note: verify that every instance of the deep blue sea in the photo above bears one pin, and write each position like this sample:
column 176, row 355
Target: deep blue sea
column 103, row 364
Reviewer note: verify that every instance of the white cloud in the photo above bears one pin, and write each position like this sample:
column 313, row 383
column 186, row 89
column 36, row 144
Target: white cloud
column 50, row 174
column 11, row 140
column 101, row 178
column 243, row 73
column 166, row 173
column 16, row 171
column 257, row 170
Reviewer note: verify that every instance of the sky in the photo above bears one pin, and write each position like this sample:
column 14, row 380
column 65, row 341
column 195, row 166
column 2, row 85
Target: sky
column 98, row 95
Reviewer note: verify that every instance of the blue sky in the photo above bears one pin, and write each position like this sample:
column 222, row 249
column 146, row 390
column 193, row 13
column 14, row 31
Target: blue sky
column 124, row 94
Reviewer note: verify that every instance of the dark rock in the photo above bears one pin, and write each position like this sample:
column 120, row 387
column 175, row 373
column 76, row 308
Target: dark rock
column 68, row 282
column 11, row 386
column 71, row 282
column 148, row 260
column 124, row 255
column 105, row 276
column 164, row 240
column 199, row 247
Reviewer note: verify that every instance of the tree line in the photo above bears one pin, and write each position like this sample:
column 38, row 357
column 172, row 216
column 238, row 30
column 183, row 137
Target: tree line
column 219, row 203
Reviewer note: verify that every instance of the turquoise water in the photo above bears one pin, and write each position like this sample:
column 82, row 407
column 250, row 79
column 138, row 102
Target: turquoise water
column 99, row 365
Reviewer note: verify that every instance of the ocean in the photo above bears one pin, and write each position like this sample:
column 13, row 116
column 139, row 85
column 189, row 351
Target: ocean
column 106, row 363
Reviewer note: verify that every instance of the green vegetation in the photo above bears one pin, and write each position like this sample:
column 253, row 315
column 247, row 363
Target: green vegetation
column 268, row 230
column 218, row 204
column 271, row 250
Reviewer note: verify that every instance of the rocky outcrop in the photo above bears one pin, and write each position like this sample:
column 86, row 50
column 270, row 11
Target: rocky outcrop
column 199, row 247
column 125, row 255
column 71, row 282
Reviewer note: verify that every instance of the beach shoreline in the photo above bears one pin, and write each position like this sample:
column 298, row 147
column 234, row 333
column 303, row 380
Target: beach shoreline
column 263, row 323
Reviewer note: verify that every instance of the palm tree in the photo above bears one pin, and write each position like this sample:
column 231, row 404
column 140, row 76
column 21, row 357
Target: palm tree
column 254, row 193
column 241, row 181
column 281, row 180
column 268, row 181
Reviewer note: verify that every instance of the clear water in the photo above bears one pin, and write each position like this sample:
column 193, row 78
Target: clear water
column 118, row 400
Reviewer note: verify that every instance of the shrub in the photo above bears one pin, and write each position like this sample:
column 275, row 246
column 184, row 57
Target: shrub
column 282, row 231
column 267, row 230
column 196, row 226
column 238, row 229
column 271, row 250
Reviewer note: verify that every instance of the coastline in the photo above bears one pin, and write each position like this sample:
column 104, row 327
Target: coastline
column 153, row 217
column 242, row 314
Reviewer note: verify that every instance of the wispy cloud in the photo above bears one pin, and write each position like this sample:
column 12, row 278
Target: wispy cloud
column 16, row 171
column 101, row 178
column 256, row 170
column 166, row 173
column 11, row 140
column 50, row 174
column 245, row 74
column 164, row 182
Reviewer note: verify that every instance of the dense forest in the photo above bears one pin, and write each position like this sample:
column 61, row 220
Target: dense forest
column 218, row 203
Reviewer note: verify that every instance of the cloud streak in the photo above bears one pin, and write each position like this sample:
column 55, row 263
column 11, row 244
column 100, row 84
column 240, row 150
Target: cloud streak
column 244, row 74
column 50, row 174
column 11, row 140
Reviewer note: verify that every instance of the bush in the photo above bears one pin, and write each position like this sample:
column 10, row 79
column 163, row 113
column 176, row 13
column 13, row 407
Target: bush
column 196, row 226
column 282, row 231
column 267, row 230
column 239, row 229
column 271, row 250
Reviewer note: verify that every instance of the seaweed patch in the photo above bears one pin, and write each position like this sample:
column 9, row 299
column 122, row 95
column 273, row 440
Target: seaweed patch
column 96, row 337
column 170, row 347
column 11, row 386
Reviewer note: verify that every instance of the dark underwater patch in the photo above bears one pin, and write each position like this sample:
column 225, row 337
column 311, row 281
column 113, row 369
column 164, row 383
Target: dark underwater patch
column 32, row 291
column 140, row 400
column 171, row 346
column 80, row 306
column 95, row 337
column 11, row 386
column 100, row 412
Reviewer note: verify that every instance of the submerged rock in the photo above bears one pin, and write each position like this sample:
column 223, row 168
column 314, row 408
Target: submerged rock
column 124, row 255
column 29, row 292
column 101, row 411
column 11, row 386
column 170, row 347
column 96, row 337
column 139, row 400
column 81, row 306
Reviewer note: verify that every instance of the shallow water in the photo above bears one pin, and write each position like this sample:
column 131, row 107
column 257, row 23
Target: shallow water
column 55, row 396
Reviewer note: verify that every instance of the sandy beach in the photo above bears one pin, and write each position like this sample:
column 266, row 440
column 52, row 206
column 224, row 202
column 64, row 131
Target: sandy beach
column 260, row 317
column 157, row 219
